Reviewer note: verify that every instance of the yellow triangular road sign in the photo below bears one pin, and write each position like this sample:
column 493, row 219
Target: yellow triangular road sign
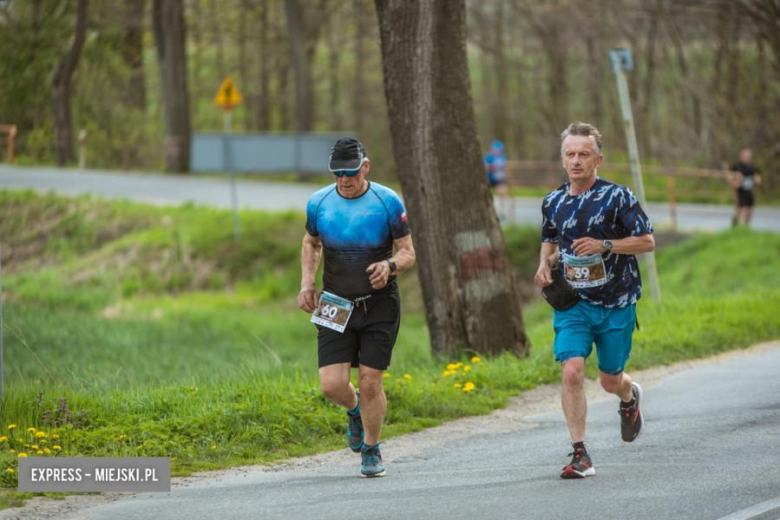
column 228, row 95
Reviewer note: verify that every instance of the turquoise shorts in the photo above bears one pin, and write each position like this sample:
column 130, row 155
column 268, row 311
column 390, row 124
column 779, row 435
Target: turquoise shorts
column 576, row 330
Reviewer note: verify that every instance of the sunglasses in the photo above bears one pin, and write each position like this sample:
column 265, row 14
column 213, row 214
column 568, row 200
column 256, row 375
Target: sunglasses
column 350, row 173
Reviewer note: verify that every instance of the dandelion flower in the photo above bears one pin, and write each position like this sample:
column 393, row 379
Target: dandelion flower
column 407, row 377
column 9, row 470
column 468, row 387
column 55, row 436
column 11, row 426
column 22, row 454
column 3, row 438
column 39, row 452
column 31, row 430
column 452, row 366
column 386, row 375
column 476, row 359
column 457, row 385
column 467, row 368
column 458, row 364
column 35, row 447
column 40, row 435
column 213, row 446
column 57, row 448
column 447, row 373
column 47, row 451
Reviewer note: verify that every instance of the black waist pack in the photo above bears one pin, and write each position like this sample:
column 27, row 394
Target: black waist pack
column 560, row 294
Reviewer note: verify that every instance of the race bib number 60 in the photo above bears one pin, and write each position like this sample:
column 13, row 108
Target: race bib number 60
column 332, row 312
column 584, row 271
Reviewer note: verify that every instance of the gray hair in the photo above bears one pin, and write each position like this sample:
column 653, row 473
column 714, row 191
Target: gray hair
column 584, row 129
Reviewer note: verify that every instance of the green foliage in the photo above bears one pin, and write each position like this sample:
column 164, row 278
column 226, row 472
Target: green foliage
column 133, row 361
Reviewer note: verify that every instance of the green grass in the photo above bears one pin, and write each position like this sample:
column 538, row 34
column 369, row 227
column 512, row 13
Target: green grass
column 164, row 337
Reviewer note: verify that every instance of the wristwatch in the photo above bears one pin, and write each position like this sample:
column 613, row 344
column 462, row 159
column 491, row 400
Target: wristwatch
column 607, row 245
column 392, row 265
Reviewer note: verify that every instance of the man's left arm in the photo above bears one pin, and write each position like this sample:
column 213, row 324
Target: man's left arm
column 379, row 272
column 632, row 218
column 625, row 246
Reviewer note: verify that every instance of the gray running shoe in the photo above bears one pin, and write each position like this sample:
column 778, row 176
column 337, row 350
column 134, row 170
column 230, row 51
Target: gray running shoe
column 372, row 465
column 580, row 465
column 631, row 421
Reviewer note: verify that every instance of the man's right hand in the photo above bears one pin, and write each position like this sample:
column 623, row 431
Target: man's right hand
column 543, row 276
column 308, row 300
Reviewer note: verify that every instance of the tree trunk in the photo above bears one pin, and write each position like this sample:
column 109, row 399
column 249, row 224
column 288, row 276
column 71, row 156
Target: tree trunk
column 170, row 39
column 335, row 40
column 500, row 69
column 263, row 108
column 61, row 89
column 132, row 51
column 304, row 91
column 359, row 82
column 468, row 290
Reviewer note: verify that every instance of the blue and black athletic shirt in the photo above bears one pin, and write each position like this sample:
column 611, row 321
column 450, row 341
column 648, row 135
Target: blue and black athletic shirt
column 355, row 233
column 606, row 211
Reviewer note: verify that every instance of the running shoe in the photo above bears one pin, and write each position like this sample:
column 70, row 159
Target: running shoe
column 372, row 465
column 580, row 465
column 631, row 416
column 355, row 431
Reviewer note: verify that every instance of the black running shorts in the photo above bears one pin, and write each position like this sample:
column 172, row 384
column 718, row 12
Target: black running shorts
column 369, row 336
column 745, row 198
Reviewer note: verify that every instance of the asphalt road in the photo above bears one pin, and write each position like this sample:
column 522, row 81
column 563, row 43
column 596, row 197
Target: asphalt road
column 709, row 451
column 174, row 190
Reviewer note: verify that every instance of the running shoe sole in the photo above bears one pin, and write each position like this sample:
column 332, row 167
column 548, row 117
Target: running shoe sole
column 375, row 475
column 569, row 472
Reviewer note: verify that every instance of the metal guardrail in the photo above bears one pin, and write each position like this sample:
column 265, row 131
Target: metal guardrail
column 261, row 153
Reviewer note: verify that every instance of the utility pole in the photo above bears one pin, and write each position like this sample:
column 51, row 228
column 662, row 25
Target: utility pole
column 621, row 62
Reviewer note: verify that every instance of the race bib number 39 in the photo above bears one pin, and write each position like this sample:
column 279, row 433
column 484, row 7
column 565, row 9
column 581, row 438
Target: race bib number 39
column 584, row 271
column 333, row 312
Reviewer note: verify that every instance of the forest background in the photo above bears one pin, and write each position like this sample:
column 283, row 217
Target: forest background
column 705, row 81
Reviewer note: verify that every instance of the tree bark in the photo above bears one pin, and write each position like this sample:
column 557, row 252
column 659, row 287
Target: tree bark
column 467, row 282
column 61, row 90
column 263, row 107
column 359, row 82
column 170, row 38
column 304, row 91
column 132, row 51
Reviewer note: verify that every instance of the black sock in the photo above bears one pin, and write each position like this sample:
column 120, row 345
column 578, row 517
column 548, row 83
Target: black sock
column 579, row 446
column 629, row 404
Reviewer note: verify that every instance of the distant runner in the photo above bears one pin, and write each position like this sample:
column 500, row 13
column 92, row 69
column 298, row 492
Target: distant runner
column 591, row 230
column 495, row 164
column 356, row 224
column 745, row 179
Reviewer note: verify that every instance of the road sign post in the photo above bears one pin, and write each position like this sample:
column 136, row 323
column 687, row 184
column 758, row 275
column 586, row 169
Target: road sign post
column 621, row 61
column 228, row 97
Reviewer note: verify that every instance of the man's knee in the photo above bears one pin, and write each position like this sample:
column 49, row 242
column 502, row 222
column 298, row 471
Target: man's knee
column 573, row 372
column 332, row 388
column 611, row 383
column 370, row 384
column 334, row 381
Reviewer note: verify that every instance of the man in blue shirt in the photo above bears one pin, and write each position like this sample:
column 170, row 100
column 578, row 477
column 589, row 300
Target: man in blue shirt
column 355, row 224
column 591, row 231
column 495, row 164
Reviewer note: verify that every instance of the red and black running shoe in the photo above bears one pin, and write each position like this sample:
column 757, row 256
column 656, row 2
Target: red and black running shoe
column 580, row 465
column 631, row 421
